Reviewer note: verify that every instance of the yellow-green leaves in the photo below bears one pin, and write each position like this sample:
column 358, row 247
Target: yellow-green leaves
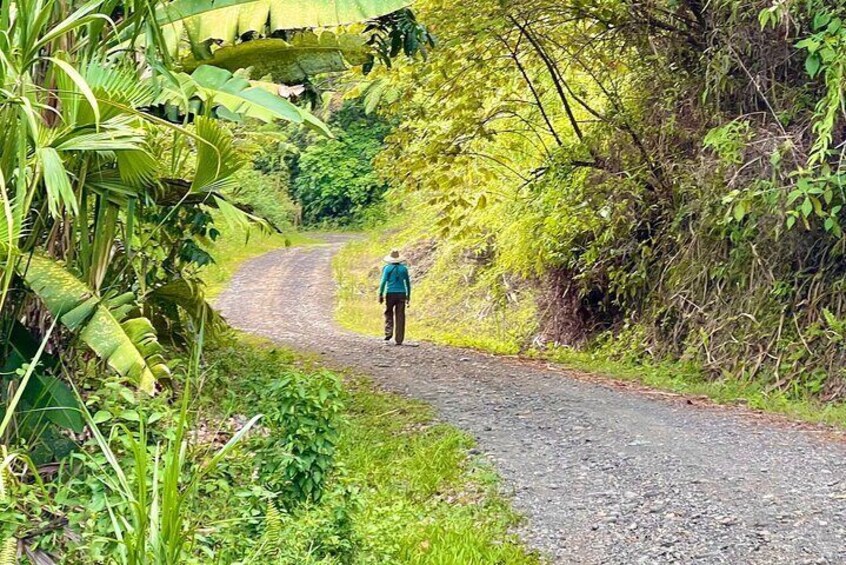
column 290, row 61
column 217, row 160
column 234, row 97
column 129, row 347
column 60, row 194
column 226, row 20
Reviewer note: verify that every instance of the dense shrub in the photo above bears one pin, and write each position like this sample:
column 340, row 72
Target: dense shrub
column 671, row 171
column 302, row 415
column 334, row 179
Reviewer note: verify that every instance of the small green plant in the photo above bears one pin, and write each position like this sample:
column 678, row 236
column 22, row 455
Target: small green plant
column 153, row 486
column 728, row 141
column 303, row 414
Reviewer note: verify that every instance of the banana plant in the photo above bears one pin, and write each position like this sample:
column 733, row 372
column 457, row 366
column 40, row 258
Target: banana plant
column 286, row 40
column 127, row 344
column 211, row 90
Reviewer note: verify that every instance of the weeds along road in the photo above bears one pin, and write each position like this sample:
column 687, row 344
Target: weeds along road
column 602, row 475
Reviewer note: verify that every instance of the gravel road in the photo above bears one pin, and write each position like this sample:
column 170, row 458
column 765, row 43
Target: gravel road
column 603, row 475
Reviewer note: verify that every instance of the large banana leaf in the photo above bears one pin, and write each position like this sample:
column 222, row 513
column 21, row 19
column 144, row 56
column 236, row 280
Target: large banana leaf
column 129, row 347
column 227, row 20
column 50, row 398
column 303, row 55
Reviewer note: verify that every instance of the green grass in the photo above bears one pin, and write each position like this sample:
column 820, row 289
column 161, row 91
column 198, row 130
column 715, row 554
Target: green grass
column 439, row 312
column 422, row 495
column 434, row 318
column 234, row 246
column 419, row 498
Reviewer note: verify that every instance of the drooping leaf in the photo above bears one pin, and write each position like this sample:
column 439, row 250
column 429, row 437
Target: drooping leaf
column 130, row 347
column 80, row 83
column 226, row 20
column 305, row 54
column 234, row 97
column 60, row 194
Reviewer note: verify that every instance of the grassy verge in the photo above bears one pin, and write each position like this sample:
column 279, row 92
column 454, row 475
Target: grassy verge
column 445, row 308
column 413, row 468
column 235, row 245
column 446, row 312
column 687, row 378
column 400, row 488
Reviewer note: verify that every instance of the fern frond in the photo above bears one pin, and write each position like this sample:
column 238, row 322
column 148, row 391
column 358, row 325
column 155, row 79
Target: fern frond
column 9, row 552
column 272, row 523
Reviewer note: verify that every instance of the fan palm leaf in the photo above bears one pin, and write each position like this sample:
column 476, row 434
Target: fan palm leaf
column 217, row 160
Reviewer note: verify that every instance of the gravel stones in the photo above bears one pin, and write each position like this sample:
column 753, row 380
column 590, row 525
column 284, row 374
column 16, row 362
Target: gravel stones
column 603, row 476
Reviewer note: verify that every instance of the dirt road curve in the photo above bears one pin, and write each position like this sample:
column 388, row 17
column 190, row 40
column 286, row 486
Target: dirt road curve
column 602, row 475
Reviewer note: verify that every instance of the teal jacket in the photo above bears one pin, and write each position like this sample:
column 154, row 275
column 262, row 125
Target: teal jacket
column 395, row 279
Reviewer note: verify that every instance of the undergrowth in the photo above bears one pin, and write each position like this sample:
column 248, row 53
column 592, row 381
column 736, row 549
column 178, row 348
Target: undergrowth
column 399, row 488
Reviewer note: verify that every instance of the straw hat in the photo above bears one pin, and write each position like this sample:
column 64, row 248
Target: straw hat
column 394, row 257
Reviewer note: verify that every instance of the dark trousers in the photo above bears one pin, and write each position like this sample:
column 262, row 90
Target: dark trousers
column 395, row 316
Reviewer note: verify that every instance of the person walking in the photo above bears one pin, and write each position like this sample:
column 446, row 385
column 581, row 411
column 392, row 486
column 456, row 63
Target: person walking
column 395, row 293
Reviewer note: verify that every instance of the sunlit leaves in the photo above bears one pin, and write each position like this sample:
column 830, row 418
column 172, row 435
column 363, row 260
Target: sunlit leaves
column 225, row 20
column 234, row 98
column 292, row 60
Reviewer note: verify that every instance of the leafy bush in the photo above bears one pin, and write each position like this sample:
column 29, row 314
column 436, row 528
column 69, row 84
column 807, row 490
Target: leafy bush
column 303, row 413
column 334, row 179
column 313, row 533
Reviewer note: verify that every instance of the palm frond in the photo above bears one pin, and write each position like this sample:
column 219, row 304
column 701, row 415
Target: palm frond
column 137, row 167
column 60, row 195
column 121, row 133
column 217, row 160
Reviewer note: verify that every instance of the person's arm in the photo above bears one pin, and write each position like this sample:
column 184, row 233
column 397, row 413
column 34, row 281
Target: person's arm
column 407, row 281
column 383, row 283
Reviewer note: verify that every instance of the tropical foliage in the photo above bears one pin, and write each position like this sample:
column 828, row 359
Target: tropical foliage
column 334, row 179
column 117, row 155
column 664, row 178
